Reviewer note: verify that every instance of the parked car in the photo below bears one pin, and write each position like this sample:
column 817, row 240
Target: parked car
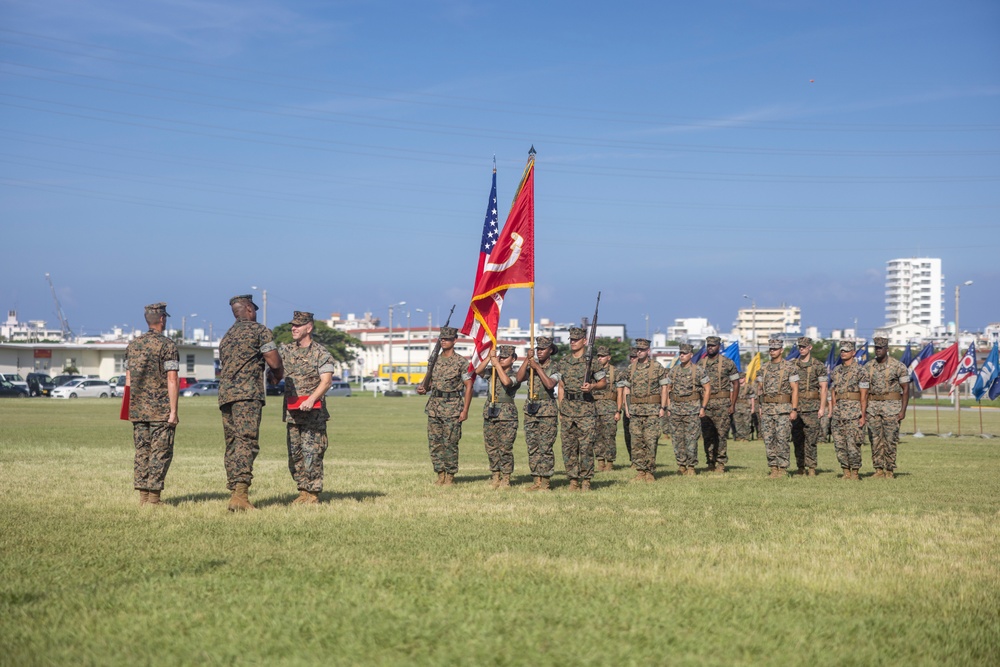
column 202, row 389
column 15, row 379
column 83, row 388
column 8, row 390
column 118, row 386
column 185, row 382
column 60, row 380
column 377, row 384
column 275, row 389
column 339, row 388
column 480, row 386
column 39, row 384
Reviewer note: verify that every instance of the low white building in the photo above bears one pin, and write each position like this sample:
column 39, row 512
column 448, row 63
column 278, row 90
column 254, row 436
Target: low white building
column 14, row 331
column 690, row 330
column 766, row 322
column 103, row 360
column 901, row 334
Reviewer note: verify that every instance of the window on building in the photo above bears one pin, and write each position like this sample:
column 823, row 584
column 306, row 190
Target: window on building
column 190, row 363
column 119, row 363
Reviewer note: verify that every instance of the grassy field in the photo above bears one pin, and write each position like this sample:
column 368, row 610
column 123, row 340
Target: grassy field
column 390, row 569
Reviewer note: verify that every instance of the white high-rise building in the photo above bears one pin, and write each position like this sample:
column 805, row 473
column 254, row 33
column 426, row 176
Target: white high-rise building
column 914, row 292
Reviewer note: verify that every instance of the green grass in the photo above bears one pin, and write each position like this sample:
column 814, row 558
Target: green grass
column 390, row 569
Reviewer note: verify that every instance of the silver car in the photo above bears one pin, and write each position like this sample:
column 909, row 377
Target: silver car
column 83, row 388
column 339, row 388
column 201, row 389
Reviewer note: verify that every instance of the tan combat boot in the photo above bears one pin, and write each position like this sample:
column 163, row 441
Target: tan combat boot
column 240, row 501
column 845, row 473
column 878, row 473
column 855, row 475
column 302, row 497
column 776, row 473
column 310, row 498
column 440, row 479
column 649, row 476
column 153, row 498
column 720, row 468
column 690, row 472
column 143, row 496
column 504, row 481
column 682, row 470
column 639, row 477
column 449, row 479
column 801, row 471
column 544, row 484
column 537, row 485
column 585, row 485
column 810, row 472
column 495, row 480
column 574, row 485
column 889, row 474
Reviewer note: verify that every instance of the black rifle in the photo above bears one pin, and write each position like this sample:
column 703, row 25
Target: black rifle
column 426, row 382
column 591, row 340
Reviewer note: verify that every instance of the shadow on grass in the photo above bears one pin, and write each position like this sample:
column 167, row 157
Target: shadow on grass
column 324, row 497
column 196, row 498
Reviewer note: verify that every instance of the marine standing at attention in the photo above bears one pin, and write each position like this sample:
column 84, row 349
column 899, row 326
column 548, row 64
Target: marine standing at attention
column 151, row 366
column 450, row 394
column 500, row 413
column 888, row 396
column 606, row 401
column 540, row 412
column 688, row 389
column 308, row 374
column 577, row 411
column 812, row 406
column 850, row 402
column 244, row 352
column 646, row 385
column 778, row 396
column 721, row 370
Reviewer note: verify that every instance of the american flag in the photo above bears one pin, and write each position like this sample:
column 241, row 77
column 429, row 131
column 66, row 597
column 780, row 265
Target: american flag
column 472, row 327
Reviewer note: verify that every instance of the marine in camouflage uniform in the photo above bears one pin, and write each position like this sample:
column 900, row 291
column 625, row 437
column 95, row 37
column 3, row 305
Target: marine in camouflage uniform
column 742, row 418
column 812, row 406
column 715, row 424
column 850, row 400
column 688, row 388
column 309, row 370
column 244, row 352
column 888, row 396
column 500, row 413
column 151, row 367
column 645, row 382
column 540, row 411
column 606, row 401
column 578, row 410
column 450, row 394
column 778, row 396
column 625, row 414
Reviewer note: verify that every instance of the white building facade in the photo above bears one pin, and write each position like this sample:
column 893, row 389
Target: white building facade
column 914, row 292
column 767, row 322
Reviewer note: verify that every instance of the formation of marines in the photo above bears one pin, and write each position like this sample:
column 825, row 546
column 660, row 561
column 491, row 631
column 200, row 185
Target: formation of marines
column 588, row 398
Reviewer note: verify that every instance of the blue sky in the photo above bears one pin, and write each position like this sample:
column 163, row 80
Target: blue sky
column 338, row 154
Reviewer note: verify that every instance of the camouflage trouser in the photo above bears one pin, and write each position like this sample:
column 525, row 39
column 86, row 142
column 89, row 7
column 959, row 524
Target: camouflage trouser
column 154, row 450
column 499, row 437
column 805, row 435
column 825, row 427
column 540, row 434
column 578, row 435
column 443, row 434
column 241, row 424
column 686, row 429
column 714, row 432
column 307, row 444
column 885, row 437
column 742, row 419
column 605, row 446
column 847, row 439
column 776, row 430
column 646, row 436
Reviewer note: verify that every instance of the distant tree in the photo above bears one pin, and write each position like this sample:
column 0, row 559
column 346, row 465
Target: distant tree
column 619, row 349
column 71, row 370
column 338, row 343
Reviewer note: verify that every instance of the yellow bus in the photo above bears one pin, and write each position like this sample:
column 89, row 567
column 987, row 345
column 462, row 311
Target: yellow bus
column 403, row 373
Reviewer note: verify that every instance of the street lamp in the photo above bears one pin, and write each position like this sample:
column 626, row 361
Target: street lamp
column 263, row 302
column 753, row 306
column 184, row 325
column 958, row 342
column 408, row 379
column 401, row 303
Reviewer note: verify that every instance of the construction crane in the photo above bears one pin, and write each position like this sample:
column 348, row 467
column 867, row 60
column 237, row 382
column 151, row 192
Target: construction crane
column 66, row 331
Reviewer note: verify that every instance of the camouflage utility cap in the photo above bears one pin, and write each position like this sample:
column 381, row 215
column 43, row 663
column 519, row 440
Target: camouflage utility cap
column 577, row 333
column 847, row 346
column 504, row 351
column 641, row 343
column 775, row 344
column 543, row 342
column 157, row 309
column 633, row 352
column 244, row 297
column 603, row 351
column 300, row 318
column 686, row 348
column 805, row 340
column 713, row 340
column 880, row 341
column 449, row 332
